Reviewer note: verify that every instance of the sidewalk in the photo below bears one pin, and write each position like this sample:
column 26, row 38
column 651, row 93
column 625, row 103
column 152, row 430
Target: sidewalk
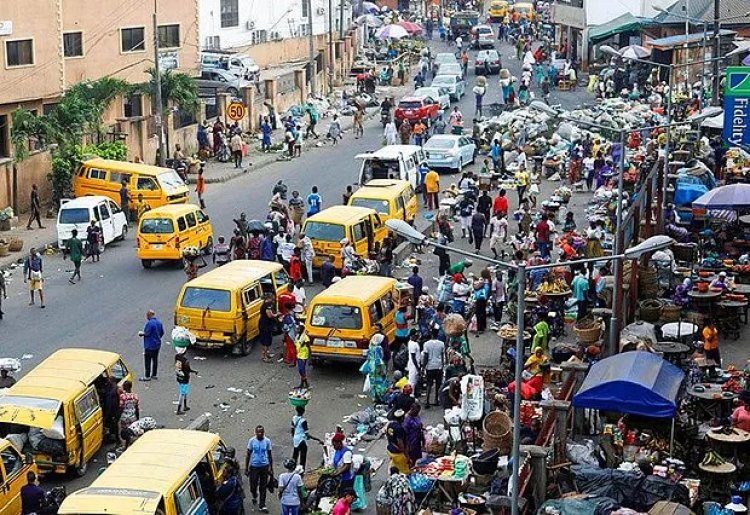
column 37, row 238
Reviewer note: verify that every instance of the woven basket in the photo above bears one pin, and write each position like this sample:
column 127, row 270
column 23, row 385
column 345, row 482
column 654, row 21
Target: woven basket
column 311, row 479
column 15, row 244
column 588, row 333
column 651, row 310
column 436, row 449
column 670, row 313
column 4, row 249
column 497, row 432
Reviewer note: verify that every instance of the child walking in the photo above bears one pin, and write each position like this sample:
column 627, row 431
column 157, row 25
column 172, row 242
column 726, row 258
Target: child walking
column 182, row 372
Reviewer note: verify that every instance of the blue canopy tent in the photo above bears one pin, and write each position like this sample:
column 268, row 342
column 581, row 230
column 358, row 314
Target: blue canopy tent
column 638, row 383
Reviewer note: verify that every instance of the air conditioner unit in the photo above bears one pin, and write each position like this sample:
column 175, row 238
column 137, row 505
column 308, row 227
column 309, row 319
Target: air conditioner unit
column 320, row 10
column 250, row 25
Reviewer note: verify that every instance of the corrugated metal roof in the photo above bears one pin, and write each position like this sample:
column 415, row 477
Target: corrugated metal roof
column 703, row 11
column 679, row 39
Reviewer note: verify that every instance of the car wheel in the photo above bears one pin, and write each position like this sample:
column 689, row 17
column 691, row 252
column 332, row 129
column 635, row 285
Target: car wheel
column 460, row 167
column 244, row 345
column 147, row 263
column 124, row 233
column 81, row 468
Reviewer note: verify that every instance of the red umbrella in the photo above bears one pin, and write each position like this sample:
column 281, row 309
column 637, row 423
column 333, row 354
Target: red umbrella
column 411, row 27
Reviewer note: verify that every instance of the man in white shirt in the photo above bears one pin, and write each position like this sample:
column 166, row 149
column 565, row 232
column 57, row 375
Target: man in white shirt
column 414, row 365
column 434, row 360
column 498, row 232
column 286, row 249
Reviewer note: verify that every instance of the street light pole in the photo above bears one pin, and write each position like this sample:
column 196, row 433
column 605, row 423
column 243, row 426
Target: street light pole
column 665, row 172
column 520, row 327
column 311, row 49
column 614, row 327
column 158, row 108
column 331, row 49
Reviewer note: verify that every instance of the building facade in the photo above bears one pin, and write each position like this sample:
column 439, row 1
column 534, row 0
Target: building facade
column 48, row 45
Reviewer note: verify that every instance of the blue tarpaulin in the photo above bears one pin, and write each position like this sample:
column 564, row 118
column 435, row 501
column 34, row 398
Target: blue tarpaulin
column 638, row 383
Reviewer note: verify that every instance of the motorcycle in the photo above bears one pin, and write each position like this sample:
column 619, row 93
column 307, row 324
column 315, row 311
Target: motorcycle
column 385, row 117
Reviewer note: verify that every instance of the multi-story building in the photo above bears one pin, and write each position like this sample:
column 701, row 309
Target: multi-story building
column 48, row 45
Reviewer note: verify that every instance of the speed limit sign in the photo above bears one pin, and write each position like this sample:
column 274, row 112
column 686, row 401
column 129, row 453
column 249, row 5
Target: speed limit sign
column 236, row 111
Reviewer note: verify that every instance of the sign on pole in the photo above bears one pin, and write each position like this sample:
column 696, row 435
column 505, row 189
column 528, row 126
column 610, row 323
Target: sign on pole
column 737, row 106
column 236, row 111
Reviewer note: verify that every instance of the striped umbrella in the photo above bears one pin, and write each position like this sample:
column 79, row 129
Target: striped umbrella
column 411, row 27
column 391, row 32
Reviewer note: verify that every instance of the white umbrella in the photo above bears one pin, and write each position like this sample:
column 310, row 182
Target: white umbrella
column 634, row 52
column 391, row 32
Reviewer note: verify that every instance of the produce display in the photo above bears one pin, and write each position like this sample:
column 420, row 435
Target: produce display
column 300, row 396
column 554, row 286
column 510, row 332
column 712, row 459
column 453, row 468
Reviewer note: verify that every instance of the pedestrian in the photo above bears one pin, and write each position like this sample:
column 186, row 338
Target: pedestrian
column 266, row 130
column 478, row 227
column 300, row 436
column 289, row 330
column 522, row 178
column 498, row 233
column 141, row 206
column 347, row 195
column 432, row 186
column 328, row 271
column 259, row 466
column 33, row 269
column 498, row 296
column 33, row 498
column 402, row 329
column 414, row 363
column 182, row 373
column 461, row 292
column 543, row 236
column 35, row 208
column 481, row 297
column 484, row 206
column 415, row 439
column 479, row 97
column 416, row 283
column 396, row 494
column 344, row 504
column 93, row 234
column 152, row 334
column 221, row 255
column 711, row 343
column 130, row 406
column 419, row 132
column 266, row 324
column 464, row 63
column 313, row 118
column 290, row 488
column 295, row 266
column 3, row 295
column 111, row 408
column 465, row 212
column 303, row 355
column 307, row 254
column 456, row 119
column 404, row 132
column 385, row 256
column 314, row 202
column 200, row 188
column 358, row 116
column 125, row 199
column 397, row 446
column 342, row 462
column 390, row 133
column 438, row 127
column 238, row 246
column 334, row 129
column 434, row 361
column 289, row 139
column 74, row 249
column 229, row 493
column 296, row 208
column 286, row 250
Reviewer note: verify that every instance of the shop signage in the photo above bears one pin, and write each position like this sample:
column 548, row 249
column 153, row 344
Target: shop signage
column 737, row 106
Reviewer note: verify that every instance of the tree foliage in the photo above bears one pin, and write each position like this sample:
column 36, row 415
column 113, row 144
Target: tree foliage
column 177, row 88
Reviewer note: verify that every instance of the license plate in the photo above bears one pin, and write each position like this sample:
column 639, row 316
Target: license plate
column 156, row 246
column 336, row 344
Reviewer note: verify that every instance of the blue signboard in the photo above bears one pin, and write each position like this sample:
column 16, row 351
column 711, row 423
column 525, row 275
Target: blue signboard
column 737, row 106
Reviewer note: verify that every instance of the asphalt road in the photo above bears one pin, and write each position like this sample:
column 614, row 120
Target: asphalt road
column 106, row 310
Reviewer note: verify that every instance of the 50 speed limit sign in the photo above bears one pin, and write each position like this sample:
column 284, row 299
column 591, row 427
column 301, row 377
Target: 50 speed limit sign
column 236, row 111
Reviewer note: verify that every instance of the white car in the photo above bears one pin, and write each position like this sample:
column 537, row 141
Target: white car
column 482, row 36
column 449, row 151
column 455, row 85
column 445, row 57
column 451, row 69
column 78, row 214
column 442, row 95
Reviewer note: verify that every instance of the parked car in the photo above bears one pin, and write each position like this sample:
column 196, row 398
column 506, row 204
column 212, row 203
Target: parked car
column 417, row 108
column 442, row 95
column 78, row 214
column 449, row 151
column 237, row 64
column 454, row 84
column 482, row 36
column 212, row 81
column 490, row 56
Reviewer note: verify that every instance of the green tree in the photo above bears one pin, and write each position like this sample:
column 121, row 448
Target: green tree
column 177, row 88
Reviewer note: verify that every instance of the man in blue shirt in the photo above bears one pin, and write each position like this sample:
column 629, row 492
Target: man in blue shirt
column 313, row 202
column 580, row 287
column 152, row 334
column 259, row 466
column 416, row 283
column 32, row 496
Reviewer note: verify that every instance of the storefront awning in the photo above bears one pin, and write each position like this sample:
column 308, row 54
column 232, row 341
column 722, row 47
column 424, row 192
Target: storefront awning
column 625, row 23
column 638, row 383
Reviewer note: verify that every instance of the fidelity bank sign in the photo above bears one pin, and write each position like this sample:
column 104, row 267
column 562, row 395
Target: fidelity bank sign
column 737, row 106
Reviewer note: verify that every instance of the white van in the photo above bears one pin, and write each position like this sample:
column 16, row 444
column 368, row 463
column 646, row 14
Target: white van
column 78, row 214
column 237, row 64
column 392, row 162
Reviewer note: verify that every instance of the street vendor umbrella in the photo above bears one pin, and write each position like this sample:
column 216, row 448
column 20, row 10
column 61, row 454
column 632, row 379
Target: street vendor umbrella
column 411, row 27
column 391, row 32
column 370, row 20
column 635, row 52
column 733, row 196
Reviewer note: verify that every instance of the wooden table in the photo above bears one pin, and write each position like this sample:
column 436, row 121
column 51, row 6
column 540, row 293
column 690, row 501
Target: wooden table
column 712, row 401
column 732, row 311
column 744, row 289
column 674, row 352
column 679, row 330
column 704, row 299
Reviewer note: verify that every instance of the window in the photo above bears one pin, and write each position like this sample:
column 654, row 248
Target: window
column 358, row 231
column 4, row 137
column 86, row 405
column 12, row 461
column 189, row 496
column 119, row 370
column 169, row 36
column 400, row 203
column 181, row 224
column 133, row 39
column 191, row 221
column 340, row 317
column 203, row 298
column 73, row 44
column 104, row 211
column 114, row 207
column 147, row 184
column 132, row 106
column 387, row 301
column 157, row 226
column 19, row 52
column 118, row 177
column 202, row 217
column 251, row 295
column 48, row 108
column 376, row 312
column 78, row 215
column 305, row 10
column 95, row 173
column 281, row 278
column 324, row 231
column 230, row 14
column 381, row 206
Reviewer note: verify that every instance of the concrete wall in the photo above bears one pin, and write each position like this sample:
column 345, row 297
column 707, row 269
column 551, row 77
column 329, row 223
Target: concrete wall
column 287, row 50
column 33, row 170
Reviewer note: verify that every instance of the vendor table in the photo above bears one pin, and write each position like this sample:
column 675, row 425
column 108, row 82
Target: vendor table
column 733, row 441
column 704, row 299
column 674, row 352
column 716, row 480
column 730, row 315
column 679, row 331
column 743, row 289
column 712, row 401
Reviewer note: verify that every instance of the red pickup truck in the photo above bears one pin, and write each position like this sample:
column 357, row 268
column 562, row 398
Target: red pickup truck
column 417, row 108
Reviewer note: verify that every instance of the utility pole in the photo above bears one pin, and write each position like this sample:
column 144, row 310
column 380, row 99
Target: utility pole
column 311, row 44
column 158, row 107
column 331, row 48
column 717, row 50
